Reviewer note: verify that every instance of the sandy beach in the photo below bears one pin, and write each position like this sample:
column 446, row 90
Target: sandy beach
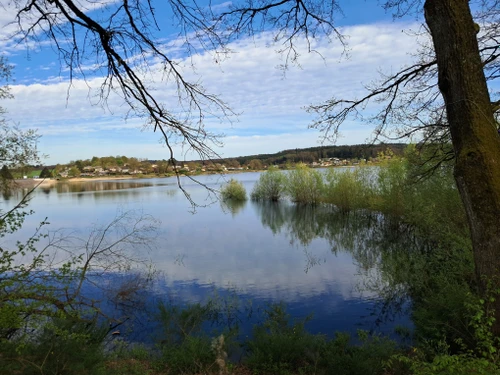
column 30, row 183
column 84, row 179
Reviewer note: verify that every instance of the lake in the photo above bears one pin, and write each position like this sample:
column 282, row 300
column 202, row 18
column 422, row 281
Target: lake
column 313, row 259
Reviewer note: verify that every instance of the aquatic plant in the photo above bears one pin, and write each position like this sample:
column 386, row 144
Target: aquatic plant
column 349, row 189
column 270, row 186
column 233, row 190
column 304, row 185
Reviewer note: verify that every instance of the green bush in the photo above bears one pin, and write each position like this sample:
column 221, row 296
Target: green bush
column 391, row 187
column 193, row 355
column 233, row 190
column 45, row 173
column 62, row 347
column 270, row 186
column 369, row 357
column 304, row 185
column 281, row 347
column 130, row 358
column 348, row 189
column 184, row 344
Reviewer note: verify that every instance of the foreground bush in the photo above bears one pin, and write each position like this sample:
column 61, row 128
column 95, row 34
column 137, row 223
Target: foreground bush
column 280, row 346
column 185, row 345
column 233, row 190
column 270, row 186
column 62, row 347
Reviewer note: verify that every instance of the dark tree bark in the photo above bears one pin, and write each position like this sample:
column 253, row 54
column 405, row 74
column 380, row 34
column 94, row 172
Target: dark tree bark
column 473, row 131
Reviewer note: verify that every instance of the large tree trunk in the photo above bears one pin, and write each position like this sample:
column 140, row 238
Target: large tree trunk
column 473, row 131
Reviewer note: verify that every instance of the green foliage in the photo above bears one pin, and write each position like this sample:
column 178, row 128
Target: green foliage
column 459, row 364
column 192, row 355
column 283, row 347
column 46, row 323
column 255, row 164
column 184, row 343
column 45, row 173
column 304, row 185
column 270, row 186
column 233, row 190
column 279, row 347
column 482, row 357
column 433, row 201
column 6, row 180
column 74, row 172
column 62, row 347
column 310, row 154
column 348, row 189
column 390, row 189
column 5, row 173
column 128, row 358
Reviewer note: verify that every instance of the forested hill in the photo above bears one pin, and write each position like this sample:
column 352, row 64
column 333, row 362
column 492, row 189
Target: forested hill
column 312, row 154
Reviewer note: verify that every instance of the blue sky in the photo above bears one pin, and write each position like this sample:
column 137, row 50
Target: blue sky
column 270, row 104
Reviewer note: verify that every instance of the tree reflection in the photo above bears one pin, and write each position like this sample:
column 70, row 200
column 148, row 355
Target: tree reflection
column 94, row 186
column 386, row 253
column 272, row 214
column 234, row 206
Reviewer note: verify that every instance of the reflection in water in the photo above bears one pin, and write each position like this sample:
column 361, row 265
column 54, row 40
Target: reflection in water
column 232, row 205
column 95, row 186
column 383, row 250
column 313, row 258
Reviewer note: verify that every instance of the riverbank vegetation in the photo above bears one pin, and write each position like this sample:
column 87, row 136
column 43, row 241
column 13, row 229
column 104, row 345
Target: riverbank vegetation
column 57, row 330
column 440, row 280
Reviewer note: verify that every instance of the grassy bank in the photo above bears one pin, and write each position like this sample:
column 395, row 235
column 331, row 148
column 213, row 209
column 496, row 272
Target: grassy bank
column 279, row 345
column 183, row 345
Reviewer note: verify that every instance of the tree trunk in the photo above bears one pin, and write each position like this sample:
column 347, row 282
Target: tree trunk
column 473, row 131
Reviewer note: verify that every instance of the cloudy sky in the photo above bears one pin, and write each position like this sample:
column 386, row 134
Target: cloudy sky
column 270, row 104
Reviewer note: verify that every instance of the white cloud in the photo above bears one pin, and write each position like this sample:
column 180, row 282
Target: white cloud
column 271, row 103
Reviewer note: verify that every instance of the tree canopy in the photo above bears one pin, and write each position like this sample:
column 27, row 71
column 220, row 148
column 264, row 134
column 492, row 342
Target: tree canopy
column 5, row 173
column 45, row 173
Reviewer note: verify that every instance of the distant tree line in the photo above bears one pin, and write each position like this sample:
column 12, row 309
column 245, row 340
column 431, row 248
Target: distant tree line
column 314, row 154
column 253, row 162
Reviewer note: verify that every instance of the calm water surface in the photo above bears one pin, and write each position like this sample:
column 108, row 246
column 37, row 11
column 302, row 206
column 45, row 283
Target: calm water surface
column 311, row 258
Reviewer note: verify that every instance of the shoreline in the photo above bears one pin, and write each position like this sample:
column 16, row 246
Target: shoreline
column 103, row 178
column 32, row 182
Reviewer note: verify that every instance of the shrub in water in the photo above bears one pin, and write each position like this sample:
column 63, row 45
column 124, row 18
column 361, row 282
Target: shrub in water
column 304, row 185
column 348, row 189
column 392, row 187
column 270, row 186
column 233, row 190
